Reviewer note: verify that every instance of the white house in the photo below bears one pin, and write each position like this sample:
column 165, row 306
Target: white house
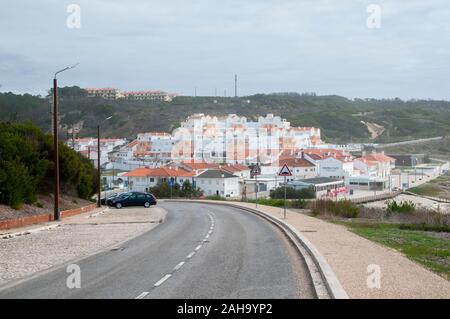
column 375, row 164
column 338, row 168
column 218, row 182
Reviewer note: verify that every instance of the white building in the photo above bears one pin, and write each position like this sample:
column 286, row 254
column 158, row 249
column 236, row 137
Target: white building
column 88, row 147
column 337, row 168
column 217, row 182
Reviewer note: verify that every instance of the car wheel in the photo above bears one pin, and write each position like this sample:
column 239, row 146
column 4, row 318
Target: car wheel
column 147, row 205
column 118, row 205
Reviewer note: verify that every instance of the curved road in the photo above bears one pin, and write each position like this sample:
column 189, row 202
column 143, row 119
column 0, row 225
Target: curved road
column 201, row 251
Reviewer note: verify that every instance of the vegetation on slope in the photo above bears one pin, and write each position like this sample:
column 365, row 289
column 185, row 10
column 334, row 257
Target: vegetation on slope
column 26, row 166
column 340, row 119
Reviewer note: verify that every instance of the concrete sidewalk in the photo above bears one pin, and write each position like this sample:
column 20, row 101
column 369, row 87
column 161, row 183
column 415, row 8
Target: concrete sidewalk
column 350, row 255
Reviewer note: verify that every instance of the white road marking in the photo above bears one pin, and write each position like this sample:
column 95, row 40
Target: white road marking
column 159, row 283
column 190, row 255
column 142, row 295
column 179, row 266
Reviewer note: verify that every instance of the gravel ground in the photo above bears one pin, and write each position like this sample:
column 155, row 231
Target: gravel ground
column 349, row 255
column 77, row 237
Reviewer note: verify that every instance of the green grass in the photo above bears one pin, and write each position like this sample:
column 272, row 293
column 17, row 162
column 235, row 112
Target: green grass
column 439, row 187
column 423, row 247
column 426, row 190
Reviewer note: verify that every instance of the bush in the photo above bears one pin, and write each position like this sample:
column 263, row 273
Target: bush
column 299, row 204
column 26, row 166
column 402, row 207
column 17, row 186
column 163, row 190
column 292, row 193
column 215, row 197
column 342, row 208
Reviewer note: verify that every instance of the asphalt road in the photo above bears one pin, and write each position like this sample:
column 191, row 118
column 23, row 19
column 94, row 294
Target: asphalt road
column 201, row 251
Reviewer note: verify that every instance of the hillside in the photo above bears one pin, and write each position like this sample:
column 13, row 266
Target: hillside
column 341, row 119
column 26, row 167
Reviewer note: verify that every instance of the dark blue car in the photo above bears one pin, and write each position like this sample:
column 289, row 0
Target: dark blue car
column 133, row 199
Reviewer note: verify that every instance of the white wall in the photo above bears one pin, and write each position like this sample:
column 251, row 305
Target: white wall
column 227, row 187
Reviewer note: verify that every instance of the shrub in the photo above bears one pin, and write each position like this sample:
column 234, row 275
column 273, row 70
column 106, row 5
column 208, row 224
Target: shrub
column 342, row 208
column 26, row 166
column 163, row 190
column 215, row 197
column 402, row 207
column 291, row 193
column 299, row 203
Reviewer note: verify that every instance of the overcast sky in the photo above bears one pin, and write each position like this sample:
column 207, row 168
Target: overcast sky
column 322, row 46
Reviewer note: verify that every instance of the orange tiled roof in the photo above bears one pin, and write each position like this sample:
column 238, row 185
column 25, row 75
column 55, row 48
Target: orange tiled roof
column 375, row 158
column 159, row 172
column 295, row 162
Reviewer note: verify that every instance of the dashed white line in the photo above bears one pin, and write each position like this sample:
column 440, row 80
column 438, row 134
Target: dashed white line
column 159, row 283
column 190, row 255
column 177, row 267
column 142, row 295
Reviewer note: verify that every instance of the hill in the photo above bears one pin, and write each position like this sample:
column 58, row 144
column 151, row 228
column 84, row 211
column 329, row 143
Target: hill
column 341, row 119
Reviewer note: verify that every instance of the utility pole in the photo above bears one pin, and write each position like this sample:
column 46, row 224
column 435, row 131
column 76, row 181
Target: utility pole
column 56, row 212
column 99, row 192
column 235, row 85
column 73, row 137
column 99, row 195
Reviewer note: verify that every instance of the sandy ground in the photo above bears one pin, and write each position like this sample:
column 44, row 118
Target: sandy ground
column 419, row 201
column 351, row 256
column 76, row 237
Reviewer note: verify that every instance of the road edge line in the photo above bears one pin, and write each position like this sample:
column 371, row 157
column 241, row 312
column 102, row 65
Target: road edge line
column 332, row 283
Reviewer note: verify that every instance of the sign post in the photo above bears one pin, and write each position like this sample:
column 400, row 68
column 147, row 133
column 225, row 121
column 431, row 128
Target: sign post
column 285, row 172
column 254, row 174
column 171, row 182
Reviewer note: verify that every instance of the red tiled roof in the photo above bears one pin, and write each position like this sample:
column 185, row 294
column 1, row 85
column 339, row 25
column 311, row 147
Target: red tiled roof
column 199, row 165
column 233, row 168
column 295, row 162
column 374, row 158
column 159, row 172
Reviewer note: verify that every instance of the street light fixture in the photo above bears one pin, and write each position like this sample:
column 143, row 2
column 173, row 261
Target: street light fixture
column 56, row 213
column 99, row 195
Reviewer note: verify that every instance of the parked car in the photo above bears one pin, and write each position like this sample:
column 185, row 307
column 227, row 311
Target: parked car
column 109, row 197
column 133, row 199
column 109, row 200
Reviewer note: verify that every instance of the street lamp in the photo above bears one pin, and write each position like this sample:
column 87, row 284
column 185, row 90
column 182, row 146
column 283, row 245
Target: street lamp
column 99, row 198
column 56, row 213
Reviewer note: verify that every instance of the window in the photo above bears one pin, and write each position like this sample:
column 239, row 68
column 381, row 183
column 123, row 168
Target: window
column 152, row 180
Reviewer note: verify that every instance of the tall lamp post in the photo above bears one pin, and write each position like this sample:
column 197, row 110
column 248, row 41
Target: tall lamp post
column 56, row 213
column 99, row 195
